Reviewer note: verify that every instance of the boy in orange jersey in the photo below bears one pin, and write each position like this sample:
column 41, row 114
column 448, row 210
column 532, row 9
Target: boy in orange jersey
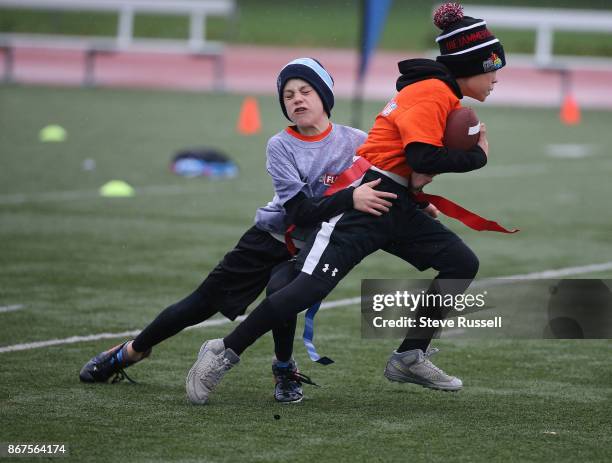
column 404, row 150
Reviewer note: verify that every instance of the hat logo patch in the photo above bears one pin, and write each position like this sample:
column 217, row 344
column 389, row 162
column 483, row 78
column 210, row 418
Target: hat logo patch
column 492, row 63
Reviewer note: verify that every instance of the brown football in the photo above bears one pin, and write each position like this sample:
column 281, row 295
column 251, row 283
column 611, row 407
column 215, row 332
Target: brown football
column 462, row 129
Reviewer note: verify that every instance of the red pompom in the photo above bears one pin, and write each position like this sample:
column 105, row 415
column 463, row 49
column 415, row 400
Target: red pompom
column 447, row 14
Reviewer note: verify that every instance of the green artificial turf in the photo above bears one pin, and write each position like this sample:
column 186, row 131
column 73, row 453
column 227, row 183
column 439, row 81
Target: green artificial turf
column 81, row 264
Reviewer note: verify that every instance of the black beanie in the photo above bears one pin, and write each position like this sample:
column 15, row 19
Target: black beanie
column 315, row 74
column 467, row 47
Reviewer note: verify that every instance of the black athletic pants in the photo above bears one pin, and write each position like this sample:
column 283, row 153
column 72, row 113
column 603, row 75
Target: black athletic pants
column 343, row 242
column 257, row 261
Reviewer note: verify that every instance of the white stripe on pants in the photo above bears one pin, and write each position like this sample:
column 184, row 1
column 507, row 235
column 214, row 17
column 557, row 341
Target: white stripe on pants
column 319, row 245
column 322, row 239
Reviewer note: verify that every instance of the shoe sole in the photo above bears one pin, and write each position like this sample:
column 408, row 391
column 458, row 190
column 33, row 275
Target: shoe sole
column 287, row 402
column 284, row 402
column 403, row 379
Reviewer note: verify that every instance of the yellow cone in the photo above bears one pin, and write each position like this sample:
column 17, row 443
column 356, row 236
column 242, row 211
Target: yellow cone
column 52, row 133
column 116, row 189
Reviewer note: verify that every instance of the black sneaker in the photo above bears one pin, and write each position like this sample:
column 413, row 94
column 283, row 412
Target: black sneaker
column 109, row 366
column 289, row 381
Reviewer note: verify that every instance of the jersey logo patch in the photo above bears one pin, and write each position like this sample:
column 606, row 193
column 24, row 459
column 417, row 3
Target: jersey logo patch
column 392, row 105
column 328, row 179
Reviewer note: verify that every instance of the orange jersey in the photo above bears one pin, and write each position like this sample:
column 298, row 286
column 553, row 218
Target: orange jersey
column 417, row 114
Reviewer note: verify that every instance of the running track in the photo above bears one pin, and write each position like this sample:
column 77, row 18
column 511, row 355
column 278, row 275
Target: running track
column 253, row 70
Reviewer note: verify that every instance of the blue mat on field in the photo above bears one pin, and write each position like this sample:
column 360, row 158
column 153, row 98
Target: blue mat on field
column 203, row 162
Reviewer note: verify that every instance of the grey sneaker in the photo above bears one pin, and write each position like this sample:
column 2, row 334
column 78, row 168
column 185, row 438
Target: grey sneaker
column 214, row 360
column 414, row 366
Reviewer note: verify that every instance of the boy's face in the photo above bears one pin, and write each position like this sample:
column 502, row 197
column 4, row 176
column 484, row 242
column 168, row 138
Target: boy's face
column 302, row 103
column 479, row 86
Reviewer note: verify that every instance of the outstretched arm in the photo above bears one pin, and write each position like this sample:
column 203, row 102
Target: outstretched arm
column 305, row 211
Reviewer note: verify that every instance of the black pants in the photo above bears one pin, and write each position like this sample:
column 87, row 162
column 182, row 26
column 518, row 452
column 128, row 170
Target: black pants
column 230, row 288
column 341, row 243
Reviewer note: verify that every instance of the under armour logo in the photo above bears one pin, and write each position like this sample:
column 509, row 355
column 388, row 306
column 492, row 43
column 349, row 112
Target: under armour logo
column 326, row 268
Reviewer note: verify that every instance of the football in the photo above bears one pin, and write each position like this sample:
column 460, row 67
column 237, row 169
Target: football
column 462, row 129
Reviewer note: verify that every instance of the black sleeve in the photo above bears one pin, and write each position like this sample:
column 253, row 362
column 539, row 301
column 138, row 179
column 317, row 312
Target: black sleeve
column 304, row 211
column 431, row 159
column 422, row 204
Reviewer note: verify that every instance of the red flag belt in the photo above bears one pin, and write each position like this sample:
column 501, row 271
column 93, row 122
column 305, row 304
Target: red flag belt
column 445, row 206
column 468, row 218
column 344, row 180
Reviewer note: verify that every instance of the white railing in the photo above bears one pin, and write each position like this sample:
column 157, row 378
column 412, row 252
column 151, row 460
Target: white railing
column 545, row 21
column 124, row 41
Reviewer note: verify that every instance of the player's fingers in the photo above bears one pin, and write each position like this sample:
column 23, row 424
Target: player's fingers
column 373, row 212
column 382, row 202
column 385, row 194
column 380, row 207
column 373, row 183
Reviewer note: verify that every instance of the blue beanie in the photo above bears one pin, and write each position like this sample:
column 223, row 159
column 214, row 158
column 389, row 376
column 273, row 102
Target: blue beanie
column 313, row 72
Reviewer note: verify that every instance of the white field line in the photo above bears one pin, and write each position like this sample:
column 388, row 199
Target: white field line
column 11, row 308
column 512, row 170
column 555, row 273
column 570, row 151
column 75, row 195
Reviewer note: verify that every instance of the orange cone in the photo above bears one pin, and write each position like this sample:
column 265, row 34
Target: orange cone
column 249, row 121
column 570, row 112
